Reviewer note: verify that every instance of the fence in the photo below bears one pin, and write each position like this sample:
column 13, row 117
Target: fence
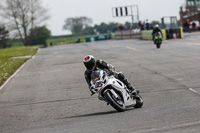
column 127, row 34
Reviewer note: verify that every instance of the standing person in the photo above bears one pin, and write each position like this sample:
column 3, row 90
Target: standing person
column 188, row 25
column 185, row 26
column 125, row 27
column 147, row 24
column 194, row 25
column 92, row 64
column 140, row 25
column 131, row 26
column 143, row 25
column 121, row 27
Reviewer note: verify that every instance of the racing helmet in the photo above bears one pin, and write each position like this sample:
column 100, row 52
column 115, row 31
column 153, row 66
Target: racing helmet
column 89, row 62
column 156, row 26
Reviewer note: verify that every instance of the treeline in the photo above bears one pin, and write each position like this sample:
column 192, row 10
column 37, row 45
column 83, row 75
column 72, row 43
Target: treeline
column 22, row 20
column 82, row 26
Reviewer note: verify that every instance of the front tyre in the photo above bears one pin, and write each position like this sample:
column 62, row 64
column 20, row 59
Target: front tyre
column 115, row 103
column 139, row 101
column 158, row 45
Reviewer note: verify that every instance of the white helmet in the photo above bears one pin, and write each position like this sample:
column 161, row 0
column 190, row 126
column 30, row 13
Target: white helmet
column 156, row 26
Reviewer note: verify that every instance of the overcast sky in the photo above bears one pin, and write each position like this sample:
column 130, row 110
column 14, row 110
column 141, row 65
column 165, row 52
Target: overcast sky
column 101, row 11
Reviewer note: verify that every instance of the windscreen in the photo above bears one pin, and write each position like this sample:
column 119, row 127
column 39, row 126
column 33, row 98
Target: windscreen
column 95, row 75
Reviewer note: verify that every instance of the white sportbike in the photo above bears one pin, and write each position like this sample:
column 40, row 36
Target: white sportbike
column 113, row 91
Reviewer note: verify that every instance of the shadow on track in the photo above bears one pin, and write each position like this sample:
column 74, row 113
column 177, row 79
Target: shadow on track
column 93, row 114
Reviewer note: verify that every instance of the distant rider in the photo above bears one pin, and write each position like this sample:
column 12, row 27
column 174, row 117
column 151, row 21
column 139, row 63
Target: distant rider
column 92, row 64
column 156, row 29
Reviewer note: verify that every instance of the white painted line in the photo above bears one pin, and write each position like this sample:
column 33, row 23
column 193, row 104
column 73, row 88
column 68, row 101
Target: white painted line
column 194, row 43
column 130, row 48
column 33, row 57
column 193, row 90
column 169, row 128
column 19, row 69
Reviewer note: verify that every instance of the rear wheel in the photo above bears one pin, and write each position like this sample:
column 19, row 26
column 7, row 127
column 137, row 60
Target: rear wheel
column 116, row 103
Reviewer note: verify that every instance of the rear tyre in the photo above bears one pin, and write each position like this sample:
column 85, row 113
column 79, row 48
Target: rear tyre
column 115, row 103
column 139, row 101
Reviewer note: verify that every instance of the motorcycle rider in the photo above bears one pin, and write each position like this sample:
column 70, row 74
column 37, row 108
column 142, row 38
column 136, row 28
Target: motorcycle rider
column 156, row 29
column 92, row 64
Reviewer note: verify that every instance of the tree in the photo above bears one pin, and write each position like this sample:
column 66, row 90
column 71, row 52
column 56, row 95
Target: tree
column 22, row 16
column 106, row 28
column 88, row 31
column 112, row 27
column 76, row 25
column 102, row 28
column 4, row 34
column 155, row 22
column 39, row 35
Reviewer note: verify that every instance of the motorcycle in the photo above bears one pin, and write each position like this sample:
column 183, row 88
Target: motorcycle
column 113, row 91
column 158, row 39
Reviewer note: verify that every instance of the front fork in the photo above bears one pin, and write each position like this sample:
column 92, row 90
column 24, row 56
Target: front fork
column 125, row 95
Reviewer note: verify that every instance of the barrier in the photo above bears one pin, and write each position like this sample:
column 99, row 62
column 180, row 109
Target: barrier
column 147, row 34
column 127, row 34
column 181, row 30
column 167, row 34
column 164, row 34
column 97, row 38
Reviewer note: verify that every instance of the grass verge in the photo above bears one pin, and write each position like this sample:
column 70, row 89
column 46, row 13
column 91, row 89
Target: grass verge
column 9, row 65
column 56, row 40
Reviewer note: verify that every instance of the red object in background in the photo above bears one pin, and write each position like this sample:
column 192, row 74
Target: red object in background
column 171, row 36
column 177, row 36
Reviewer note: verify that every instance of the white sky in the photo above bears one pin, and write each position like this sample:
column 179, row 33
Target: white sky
column 101, row 11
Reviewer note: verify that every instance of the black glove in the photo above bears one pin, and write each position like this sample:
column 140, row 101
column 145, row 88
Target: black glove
column 92, row 90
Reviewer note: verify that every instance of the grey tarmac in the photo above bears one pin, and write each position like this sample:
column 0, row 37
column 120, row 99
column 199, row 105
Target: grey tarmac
column 50, row 95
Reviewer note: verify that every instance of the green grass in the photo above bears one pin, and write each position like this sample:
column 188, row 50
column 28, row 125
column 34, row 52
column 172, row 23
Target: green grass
column 66, row 40
column 20, row 51
column 55, row 40
column 9, row 65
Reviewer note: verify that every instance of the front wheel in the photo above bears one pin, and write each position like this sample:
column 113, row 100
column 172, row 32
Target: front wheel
column 139, row 101
column 116, row 103
column 158, row 45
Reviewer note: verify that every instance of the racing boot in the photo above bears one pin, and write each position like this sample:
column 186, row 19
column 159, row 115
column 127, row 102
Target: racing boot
column 132, row 89
column 122, row 78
